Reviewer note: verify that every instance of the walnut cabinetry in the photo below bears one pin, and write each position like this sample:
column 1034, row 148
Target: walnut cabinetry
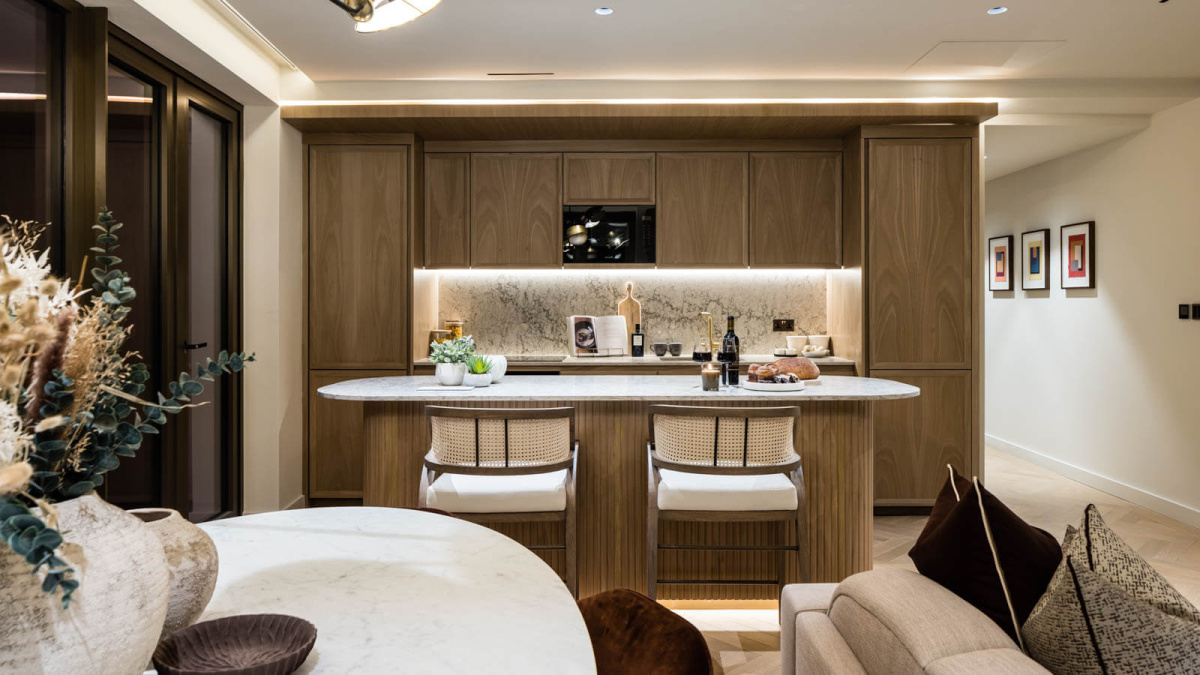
column 335, row 437
column 516, row 209
column 358, row 267
column 625, row 178
column 795, row 209
column 447, row 209
column 702, row 209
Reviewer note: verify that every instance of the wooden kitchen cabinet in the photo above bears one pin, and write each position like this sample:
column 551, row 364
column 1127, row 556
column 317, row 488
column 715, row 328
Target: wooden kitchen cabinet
column 702, row 209
column 358, row 267
column 916, row 438
column 795, row 209
column 624, row 178
column 447, row 209
column 516, row 210
column 919, row 224
column 335, row 437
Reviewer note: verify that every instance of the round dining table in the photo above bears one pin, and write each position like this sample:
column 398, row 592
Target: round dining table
column 396, row 590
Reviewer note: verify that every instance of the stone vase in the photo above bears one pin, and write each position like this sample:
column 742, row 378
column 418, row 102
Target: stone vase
column 191, row 561
column 116, row 614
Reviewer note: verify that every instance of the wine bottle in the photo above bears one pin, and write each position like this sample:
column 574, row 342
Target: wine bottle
column 730, row 354
column 637, row 341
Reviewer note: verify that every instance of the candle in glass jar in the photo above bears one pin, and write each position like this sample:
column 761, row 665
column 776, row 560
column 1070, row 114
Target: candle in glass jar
column 710, row 376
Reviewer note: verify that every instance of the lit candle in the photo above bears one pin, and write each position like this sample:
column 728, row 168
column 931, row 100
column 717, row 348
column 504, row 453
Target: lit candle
column 710, row 376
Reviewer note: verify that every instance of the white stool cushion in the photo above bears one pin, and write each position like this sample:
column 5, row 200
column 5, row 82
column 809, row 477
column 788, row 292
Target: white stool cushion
column 459, row 493
column 683, row 491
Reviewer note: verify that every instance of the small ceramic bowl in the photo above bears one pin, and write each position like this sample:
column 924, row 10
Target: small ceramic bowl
column 660, row 348
column 676, row 348
column 248, row 644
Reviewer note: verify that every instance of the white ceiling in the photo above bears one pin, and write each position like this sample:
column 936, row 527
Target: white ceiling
column 722, row 39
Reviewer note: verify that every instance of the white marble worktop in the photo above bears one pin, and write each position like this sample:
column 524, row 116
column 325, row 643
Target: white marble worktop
column 396, row 590
column 676, row 388
column 649, row 360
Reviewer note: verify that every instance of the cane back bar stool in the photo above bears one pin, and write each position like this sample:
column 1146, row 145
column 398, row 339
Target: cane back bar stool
column 496, row 465
column 709, row 464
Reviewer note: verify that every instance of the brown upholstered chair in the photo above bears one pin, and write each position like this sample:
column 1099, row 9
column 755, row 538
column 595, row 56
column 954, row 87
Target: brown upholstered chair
column 634, row 634
column 709, row 464
column 503, row 465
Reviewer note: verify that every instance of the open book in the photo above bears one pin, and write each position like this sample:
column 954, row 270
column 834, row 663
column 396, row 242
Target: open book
column 599, row 336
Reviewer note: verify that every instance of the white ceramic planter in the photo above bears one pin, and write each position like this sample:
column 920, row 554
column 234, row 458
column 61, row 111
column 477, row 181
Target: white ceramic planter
column 116, row 614
column 191, row 561
column 450, row 374
column 477, row 380
column 499, row 368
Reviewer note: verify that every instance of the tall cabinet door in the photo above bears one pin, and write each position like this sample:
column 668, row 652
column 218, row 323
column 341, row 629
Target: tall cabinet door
column 358, row 256
column 516, row 210
column 702, row 209
column 919, row 228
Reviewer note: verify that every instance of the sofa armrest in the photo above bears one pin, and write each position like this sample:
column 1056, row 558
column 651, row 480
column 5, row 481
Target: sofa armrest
column 797, row 599
column 820, row 649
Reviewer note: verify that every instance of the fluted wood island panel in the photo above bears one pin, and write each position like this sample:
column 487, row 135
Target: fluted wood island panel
column 833, row 437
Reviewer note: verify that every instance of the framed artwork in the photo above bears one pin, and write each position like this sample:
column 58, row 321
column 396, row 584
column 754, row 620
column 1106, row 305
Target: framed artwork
column 1035, row 256
column 1000, row 265
column 1077, row 249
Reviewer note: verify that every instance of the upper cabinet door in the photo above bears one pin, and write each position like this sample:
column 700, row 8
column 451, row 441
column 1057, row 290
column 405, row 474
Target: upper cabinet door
column 448, row 209
column 358, row 256
column 919, row 230
column 516, row 210
column 608, row 178
column 795, row 209
column 702, row 209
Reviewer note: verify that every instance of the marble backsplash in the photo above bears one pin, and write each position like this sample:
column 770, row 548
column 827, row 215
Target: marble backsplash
column 526, row 312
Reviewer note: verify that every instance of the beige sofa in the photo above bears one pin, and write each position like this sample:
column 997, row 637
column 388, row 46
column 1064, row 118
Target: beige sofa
column 891, row 621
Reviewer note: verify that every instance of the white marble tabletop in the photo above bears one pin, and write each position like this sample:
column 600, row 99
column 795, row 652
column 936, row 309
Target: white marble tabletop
column 610, row 388
column 394, row 590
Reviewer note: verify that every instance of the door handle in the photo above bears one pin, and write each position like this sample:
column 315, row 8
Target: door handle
column 198, row 345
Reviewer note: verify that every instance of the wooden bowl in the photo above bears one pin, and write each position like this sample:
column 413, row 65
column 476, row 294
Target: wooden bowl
column 250, row 644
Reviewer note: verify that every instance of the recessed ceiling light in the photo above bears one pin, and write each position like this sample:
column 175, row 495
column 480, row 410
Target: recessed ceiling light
column 997, row 10
column 604, row 11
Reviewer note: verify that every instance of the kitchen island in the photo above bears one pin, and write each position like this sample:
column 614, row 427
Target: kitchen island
column 833, row 437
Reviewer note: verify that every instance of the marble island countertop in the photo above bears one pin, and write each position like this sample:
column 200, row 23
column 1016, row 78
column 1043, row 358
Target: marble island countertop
column 674, row 388
column 649, row 360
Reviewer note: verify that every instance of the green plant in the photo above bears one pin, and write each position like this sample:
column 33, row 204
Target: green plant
column 479, row 365
column 71, row 412
column 458, row 350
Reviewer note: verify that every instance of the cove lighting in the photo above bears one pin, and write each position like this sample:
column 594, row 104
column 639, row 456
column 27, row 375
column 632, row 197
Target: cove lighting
column 997, row 10
column 298, row 103
column 604, row 11
column 395, row 13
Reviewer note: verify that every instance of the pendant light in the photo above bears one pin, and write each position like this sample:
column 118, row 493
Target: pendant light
column 392, row 13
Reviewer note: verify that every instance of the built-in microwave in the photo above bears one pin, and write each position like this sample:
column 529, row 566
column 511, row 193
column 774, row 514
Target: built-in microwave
column 608, row 234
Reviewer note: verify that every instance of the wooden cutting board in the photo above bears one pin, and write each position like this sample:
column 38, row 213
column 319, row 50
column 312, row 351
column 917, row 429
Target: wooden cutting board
column 630, row 308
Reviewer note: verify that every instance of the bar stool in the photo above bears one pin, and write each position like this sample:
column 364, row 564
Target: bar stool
column 724, row 465
column 496, row 465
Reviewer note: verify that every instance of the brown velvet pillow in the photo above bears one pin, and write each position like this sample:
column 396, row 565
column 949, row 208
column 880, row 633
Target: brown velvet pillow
column 633, row 634
column 978, row 548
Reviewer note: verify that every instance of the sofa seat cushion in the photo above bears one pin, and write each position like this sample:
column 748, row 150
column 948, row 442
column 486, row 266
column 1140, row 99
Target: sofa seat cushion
column 683, row 491
column 897, row 621
column 460, row 493
column 990, row 661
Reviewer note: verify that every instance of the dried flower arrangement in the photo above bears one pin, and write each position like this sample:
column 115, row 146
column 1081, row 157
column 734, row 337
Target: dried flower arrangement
column 70, row 395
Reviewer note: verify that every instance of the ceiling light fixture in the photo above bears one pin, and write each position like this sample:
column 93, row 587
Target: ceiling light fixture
column 604, row 11
column 372, row 16
column 359, row 10
column 997, row 10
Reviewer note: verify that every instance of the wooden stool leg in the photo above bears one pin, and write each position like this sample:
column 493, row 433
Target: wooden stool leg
column 781, row 557
column 652, row 553
column 801, row 525
column 569, row 535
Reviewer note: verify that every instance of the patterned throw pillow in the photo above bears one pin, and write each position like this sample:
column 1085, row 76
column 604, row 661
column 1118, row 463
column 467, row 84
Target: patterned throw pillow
column 1107, row 611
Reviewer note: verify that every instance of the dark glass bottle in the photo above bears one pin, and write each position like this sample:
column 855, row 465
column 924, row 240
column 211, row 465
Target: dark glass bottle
column 637, row 341
column 730, row 355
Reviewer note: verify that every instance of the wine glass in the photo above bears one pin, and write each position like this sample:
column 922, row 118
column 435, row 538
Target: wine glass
column 703, row 351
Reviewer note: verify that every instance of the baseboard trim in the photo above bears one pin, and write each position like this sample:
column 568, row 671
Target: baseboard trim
column 1182, row 513
column 298, row 503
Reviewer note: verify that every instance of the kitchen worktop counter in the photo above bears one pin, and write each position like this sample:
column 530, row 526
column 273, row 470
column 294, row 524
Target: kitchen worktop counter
column 675, row 388
column 649, row 361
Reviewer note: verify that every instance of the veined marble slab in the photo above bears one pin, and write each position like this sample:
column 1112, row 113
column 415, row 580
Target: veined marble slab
column 677, row 388
column 394, row 590
column 649, row 360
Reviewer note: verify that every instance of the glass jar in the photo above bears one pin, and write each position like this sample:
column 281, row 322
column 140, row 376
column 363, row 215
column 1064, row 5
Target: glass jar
column 456, row 328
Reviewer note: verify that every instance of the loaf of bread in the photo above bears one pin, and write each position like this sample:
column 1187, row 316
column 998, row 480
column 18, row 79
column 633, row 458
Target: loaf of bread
column 799, row 366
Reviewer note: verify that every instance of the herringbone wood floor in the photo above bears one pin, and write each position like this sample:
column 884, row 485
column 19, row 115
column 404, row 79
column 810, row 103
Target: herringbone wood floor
column 747, row 641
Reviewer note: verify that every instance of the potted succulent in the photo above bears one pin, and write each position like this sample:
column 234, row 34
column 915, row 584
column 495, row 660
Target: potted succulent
column 451, row 358
column 479, row 372
column 84, row 585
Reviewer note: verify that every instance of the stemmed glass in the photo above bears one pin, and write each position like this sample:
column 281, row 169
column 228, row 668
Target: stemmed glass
column 703, row 351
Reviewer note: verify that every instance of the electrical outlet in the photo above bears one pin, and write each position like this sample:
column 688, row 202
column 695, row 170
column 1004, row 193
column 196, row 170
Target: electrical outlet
column 1183, row 312
column 783, row 325
column 1196, row 311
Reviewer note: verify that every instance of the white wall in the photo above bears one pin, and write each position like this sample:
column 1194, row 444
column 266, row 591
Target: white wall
column 1104, row 385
